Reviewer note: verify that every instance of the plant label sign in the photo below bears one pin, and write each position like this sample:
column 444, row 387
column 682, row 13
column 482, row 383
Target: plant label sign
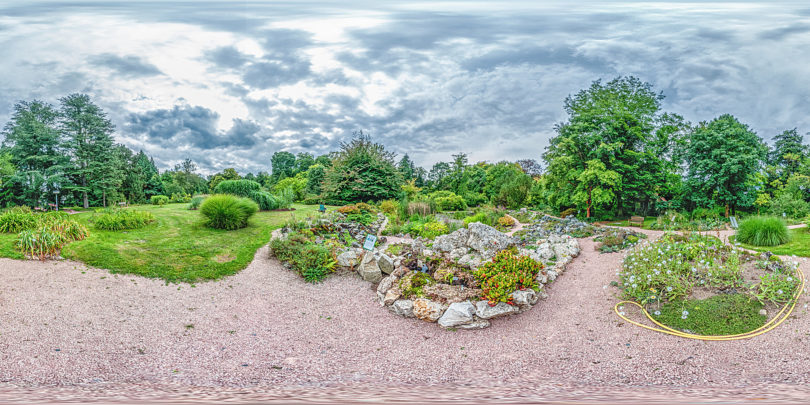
column 371, row 240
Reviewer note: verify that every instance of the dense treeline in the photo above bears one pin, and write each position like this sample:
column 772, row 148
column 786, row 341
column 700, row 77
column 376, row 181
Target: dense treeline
column 616, row 154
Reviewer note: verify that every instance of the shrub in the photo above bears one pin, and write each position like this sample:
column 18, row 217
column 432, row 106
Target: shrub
column 479, row 217
column 506, row 273
column 389, row 207
column 265, row 200
column 241, row 188
column 431, row 229
column 159, row 200
column 475, row 199
column 195, row 202
column 763, row 231
column 117, row 220
column 180, row 198
column 223, row 211
column 792, row 207
column 506, row 221
column 568, row 212
column 17, row 219
column 451, row 203
column 311, row 261
column 285, row 198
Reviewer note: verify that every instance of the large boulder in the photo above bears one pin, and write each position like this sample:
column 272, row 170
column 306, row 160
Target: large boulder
column 369, row 270
column 484, row 311
column 428, row 310
column 402, row 308
column 487, row 240
column 524, row 299
column 450, row 293
column 347, row 259
column 458, row 313
column 386, row 263
column 452, row 241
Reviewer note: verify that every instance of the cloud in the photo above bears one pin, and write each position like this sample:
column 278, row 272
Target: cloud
column 227, row 57
column 781, row 33
column 190, row 127
column 130, row 66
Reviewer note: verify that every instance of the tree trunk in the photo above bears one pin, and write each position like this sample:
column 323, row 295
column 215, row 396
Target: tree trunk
column 104, row 199
column 726, row 210
column 84, row 193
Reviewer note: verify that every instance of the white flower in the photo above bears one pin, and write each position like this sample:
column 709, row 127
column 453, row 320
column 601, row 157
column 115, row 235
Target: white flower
column 684, row 313
column 669, row 289
column 779, row 292
column 657, row 313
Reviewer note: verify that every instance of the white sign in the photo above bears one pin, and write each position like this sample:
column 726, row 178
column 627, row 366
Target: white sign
column 371, row 240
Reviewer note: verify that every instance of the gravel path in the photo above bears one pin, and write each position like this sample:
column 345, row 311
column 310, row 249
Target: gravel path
column 72, row 332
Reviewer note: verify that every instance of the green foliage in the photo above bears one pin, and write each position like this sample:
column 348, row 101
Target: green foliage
column 724, row 314
column 315, row 177
column 790, row 205
column 111, row 219
column 311, row 261
column 241, row 188
column 763, row 231
column 17, row 219
column 360, row 212
column 724, row 156
column 412, row 283
column 50, row 234
column 159, row 200
column 433, row 229
column 180, row 198
column 296, row 184
column 196, row 202
column 229, row 212
column 515, row 192
column 285, row 198
column 265, row 200
column 448, row 201
column 362, row 171
column 506, row 273
column 389, row 207
column 777, row 287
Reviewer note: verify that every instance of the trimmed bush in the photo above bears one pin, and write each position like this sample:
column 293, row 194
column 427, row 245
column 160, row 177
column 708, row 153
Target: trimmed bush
column 763, row 231
column 159, row 200
column 389, row 207
column 451, row 203
column 265, row 200
column 224, row 211
column 118, row 220
column 196, row 202
column 180, row 198
column 242, row 188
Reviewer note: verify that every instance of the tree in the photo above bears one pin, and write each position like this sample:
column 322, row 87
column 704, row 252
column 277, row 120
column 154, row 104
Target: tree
column 789, row 151
column 89, row 139
column 437, row 177
column 362, row 171
column 620, row 124
column 723, row 156
column 263, row 178
column 303, row 161
column 315, row 176
column 36, row 149
column 530, row 167
column 283, row 166
column 406, row 167
column 595, row 185
column 186, row 179
column 455, row 179
column 227, row 174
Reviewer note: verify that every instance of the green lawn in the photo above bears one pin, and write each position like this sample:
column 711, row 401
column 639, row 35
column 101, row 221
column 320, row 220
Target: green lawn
column 725, row 314
column 647, row 222
column 177, row 247
column 799, row 244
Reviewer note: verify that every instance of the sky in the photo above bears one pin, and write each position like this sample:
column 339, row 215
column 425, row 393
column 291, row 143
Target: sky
column 228, row 83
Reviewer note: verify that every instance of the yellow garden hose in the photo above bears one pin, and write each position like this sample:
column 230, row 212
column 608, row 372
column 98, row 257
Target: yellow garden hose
column 776, row 321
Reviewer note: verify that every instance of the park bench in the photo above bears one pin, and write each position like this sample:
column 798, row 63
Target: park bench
column 637, row 221
column 123, row 204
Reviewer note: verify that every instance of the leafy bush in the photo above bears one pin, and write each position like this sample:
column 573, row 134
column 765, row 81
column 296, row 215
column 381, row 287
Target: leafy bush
column 506, row 273
column 389, row 207
column 265, row 200
column 180, row 198
column 792, row 207
column 311, row 261
column 119, row 219
column 568, row 212
column 241, row 188
column 195, row 202
column 17, row 219
column 432, row 229
column 475, row 199
column 159, row 200
column 285, row 198
column 51, row 233
column 452, row 203
column 224, row 211
column 479, row 217
column 360, row 212
column 506, row 221
column 763, row 231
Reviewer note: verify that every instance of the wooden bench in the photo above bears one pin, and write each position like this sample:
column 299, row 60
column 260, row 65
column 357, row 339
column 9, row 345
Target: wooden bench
column 636, row 221
column 123, row 204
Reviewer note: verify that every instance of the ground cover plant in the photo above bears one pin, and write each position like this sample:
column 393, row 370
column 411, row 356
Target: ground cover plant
column 39, row 235
column 197, row 251
column 617, row 239
column 314, row 262
column 799, row 244
column 680, row 271
column 112, row 219
column 763, row 231
column 505, row 273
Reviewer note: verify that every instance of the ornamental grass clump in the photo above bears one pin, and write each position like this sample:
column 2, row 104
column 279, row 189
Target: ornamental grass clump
column 120, row 219
column 17, row 219
column 506, row 273
column 51, row 232
column 763, row 231
column 196, row 202
column 229, row 212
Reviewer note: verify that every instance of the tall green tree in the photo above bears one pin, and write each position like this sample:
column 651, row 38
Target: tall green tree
column 303, row 161
column 283, row 165
column 36, row 149
column 788, row 154
column 89, row 139
column 406, row 167
column 723, row 157
column 595, row 185
column 362, row 171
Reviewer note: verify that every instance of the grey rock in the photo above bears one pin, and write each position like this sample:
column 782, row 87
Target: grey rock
column 476, row 324
column 386, row 264
column 347, row 259
column 402, row 308
column 386, row 284
column 369, row 270
column 486, row 240
column 524, row 298
column 458, row 252
column 458, row 313
column 484, row 311
column 391, row 296
column 449, row 242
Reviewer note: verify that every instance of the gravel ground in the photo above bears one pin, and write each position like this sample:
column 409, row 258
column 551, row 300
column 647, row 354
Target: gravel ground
column 72, row 332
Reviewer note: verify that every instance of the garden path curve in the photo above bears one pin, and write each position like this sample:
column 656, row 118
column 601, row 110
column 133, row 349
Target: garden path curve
column 66, row 329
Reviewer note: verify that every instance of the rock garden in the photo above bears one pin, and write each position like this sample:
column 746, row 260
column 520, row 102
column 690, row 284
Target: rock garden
column 462, row 279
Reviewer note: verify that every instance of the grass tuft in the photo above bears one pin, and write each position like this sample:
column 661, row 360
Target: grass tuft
column 763, row 231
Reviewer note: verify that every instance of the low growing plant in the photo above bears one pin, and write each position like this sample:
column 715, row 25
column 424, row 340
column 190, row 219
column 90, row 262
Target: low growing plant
column 196, row 202
column 111, row 219
column 506, row 273
column 313, row 262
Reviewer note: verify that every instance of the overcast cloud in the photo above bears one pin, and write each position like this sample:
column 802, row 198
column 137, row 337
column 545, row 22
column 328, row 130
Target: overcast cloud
column 229, row 83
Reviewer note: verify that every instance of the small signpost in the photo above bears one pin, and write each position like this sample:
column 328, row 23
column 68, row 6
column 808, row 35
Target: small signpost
column 371, row 240
column 734, row 223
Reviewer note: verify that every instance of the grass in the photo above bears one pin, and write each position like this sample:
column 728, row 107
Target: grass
column 799, row 244
column 177, row 247
column 763, row 231
column 626, row 222
column 724, row 314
